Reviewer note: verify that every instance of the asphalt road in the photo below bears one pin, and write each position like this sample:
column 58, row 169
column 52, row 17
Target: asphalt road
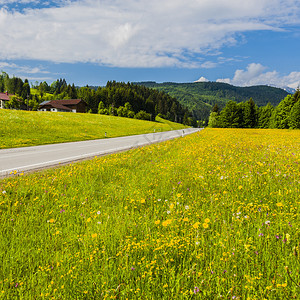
column 40, row 157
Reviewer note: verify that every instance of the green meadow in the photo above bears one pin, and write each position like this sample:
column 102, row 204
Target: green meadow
column 213, row 215
column 23, row 128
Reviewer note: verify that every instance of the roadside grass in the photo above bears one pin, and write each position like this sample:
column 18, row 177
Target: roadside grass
column 23, row 128
column 213, row 215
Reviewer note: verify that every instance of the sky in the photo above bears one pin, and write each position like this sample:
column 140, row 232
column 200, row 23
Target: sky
column 90, row 42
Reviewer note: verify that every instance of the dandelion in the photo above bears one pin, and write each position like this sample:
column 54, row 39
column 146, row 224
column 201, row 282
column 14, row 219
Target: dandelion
column 279, row 204
column 51, row 221
column 157, row 222
column 196, row 225
column 166, row 222
column 207, row 220
column 143, row 201
column 205, row 225
column 94, row 235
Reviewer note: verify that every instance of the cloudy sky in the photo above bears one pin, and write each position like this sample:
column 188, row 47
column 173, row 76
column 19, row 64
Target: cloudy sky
column 93, row 41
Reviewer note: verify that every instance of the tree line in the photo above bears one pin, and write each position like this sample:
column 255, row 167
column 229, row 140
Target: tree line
column 286, row 115
column 116, row 98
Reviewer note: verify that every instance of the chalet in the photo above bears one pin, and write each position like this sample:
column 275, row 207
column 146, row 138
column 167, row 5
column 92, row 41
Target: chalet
column 70, row 105
column 4, row 97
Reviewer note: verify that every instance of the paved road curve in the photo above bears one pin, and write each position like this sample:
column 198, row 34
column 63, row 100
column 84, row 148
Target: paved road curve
column 38, row 157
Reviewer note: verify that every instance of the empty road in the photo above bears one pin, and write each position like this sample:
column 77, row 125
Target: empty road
column 45, row 156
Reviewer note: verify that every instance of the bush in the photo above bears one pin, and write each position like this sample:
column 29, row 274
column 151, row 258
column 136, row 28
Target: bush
column 142, row 115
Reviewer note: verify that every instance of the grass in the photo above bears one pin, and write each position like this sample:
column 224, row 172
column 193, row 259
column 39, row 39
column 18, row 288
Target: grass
column 214, row 215
column 22, row 128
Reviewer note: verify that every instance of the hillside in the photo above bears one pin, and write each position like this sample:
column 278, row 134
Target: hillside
column 200, row 97
column 24, row 128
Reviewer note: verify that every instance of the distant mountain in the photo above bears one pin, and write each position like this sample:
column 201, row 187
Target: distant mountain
column 200, row 97
column 289, row 90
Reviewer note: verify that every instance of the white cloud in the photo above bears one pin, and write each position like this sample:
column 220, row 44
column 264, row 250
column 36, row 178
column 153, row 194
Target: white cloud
column 24, row 72
column 209, row 65
column 136, row 33
column 256, row 74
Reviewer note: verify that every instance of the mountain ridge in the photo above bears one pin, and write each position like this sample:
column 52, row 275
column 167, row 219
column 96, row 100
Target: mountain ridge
column 200, row 97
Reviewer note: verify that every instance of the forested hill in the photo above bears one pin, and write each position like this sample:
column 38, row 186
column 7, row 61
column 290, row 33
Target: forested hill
column 200, row 97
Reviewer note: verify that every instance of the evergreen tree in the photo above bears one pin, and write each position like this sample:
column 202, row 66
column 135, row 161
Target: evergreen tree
column 216, row 109
column 250, row 114
column 280, row 115
column 294, row 117
column 231, row 115
column 213, row 120
column 264, row 116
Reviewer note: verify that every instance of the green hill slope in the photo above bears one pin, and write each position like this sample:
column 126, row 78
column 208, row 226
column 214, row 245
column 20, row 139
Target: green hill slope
column 200, row 97
column 24, row 128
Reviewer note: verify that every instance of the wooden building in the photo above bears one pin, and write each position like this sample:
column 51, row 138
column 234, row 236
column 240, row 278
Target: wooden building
column 70, row 105
column 4, row 98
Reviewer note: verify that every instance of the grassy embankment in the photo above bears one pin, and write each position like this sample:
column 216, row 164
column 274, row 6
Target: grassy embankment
column 212, row 215
column 22, row 128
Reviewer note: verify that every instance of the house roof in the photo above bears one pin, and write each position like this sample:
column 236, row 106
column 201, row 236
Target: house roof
column 44, row 102
column 5, row 96
column 59, row 106
column 68, row 101
column 61, row 102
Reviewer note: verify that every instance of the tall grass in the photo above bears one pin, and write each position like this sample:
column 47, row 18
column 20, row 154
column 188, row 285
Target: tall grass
column 214, row 215
column 22, row 128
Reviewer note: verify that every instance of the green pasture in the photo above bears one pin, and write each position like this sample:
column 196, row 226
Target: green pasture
column 23, row 128
column 213, row 215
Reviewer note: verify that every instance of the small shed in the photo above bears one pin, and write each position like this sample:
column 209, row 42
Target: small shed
column 4, row 97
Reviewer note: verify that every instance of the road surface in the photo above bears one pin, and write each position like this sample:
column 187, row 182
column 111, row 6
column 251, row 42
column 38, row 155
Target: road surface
column 16, row 160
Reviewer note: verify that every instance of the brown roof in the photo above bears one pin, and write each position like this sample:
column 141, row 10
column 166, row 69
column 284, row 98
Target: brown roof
column 67, row 102
column 57, row 105
column 62, row 104
column 5, row 96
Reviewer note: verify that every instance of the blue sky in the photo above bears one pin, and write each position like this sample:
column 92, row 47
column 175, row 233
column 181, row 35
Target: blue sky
column 93, row 41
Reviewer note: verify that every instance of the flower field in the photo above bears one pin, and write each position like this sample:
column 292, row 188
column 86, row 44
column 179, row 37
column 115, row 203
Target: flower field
column 214, row 215
column 25, row 128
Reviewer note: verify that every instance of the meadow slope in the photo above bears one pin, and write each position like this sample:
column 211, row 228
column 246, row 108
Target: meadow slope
column 214, row 215
column 24, row 128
